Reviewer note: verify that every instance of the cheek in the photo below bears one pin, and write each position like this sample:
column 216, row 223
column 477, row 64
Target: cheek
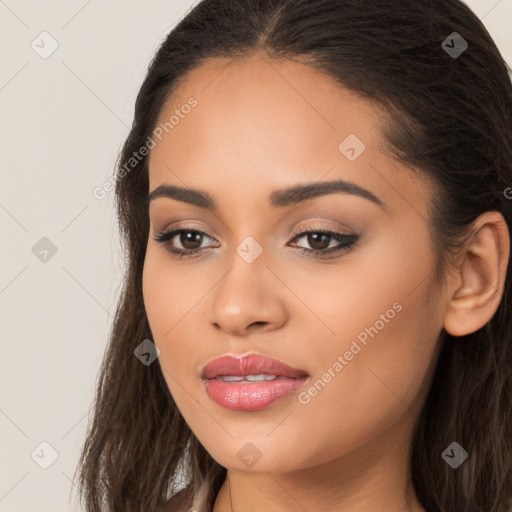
column 170, row 294
column 377, row 289
column 167, row 301
column 379, row 316
column 384, row 381
column 173, row 301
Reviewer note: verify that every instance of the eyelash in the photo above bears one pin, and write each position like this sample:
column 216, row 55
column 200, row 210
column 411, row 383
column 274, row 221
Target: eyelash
column 165, row 237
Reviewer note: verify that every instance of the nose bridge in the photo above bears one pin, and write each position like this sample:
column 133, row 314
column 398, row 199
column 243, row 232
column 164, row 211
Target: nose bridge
column 247, row 293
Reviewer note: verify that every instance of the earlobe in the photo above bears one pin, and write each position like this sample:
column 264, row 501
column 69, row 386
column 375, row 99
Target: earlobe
column 481, row 276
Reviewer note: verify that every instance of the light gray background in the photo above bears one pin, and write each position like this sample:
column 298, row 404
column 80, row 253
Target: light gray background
column 63, row 120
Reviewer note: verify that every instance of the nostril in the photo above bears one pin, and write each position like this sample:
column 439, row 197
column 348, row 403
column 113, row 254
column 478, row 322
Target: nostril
column 258, row 323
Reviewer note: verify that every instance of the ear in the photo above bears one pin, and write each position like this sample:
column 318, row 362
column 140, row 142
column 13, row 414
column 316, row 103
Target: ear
column 480, row 278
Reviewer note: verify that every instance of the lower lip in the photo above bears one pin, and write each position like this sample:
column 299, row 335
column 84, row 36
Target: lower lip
column 251, row 396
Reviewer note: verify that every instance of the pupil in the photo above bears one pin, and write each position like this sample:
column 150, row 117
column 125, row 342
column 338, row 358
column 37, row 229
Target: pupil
column 189, row 237
column 313, row 240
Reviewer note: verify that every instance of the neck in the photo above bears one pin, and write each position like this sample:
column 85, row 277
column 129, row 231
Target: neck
column 375, row 476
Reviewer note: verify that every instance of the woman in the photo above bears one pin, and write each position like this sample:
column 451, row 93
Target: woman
column 315, row 200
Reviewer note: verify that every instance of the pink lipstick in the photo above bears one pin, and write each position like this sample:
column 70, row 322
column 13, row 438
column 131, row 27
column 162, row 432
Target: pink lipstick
column 250, row 383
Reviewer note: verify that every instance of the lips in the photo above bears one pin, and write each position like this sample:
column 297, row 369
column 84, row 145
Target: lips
column 250, row 383
column 252, row 365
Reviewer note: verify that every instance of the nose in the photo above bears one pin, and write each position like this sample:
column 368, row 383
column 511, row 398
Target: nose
column 248, row 298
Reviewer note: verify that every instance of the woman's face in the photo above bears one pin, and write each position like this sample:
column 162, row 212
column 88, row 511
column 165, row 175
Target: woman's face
column 362, row 322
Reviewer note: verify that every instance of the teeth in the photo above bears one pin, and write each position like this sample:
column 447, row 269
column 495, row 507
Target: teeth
column 262, row 376
column 232, row 378
column 251, row 378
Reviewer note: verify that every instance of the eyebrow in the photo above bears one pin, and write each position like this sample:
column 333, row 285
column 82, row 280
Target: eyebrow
column 278, row 198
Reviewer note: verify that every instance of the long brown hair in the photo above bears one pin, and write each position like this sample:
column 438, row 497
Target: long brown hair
column 450, row 120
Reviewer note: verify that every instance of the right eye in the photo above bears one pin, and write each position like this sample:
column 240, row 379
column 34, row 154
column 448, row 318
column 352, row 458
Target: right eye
column 190, row 239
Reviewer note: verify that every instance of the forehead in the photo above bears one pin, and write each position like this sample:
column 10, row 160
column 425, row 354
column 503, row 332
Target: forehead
column 270, row 100
column 264, row 121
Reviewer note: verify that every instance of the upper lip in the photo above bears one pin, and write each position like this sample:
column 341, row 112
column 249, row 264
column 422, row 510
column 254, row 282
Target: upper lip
column 252, row 364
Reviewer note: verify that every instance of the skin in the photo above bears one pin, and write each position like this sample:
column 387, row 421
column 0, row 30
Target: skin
column 262, row 125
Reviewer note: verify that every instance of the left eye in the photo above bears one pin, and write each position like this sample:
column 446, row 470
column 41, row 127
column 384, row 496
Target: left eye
column 318, row 239
column 191, row 241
